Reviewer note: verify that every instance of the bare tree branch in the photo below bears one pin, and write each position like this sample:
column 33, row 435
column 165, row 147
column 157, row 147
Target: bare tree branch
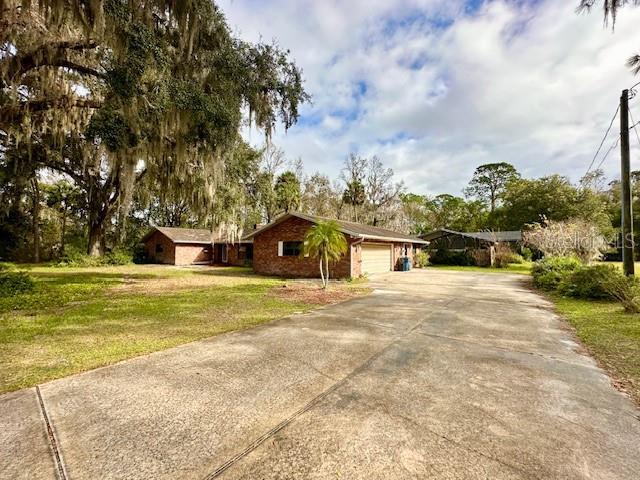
column 46, row 55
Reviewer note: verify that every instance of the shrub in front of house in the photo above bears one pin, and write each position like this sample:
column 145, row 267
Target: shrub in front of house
column 591, row 281
column 569, row 277
column 139, row 255
column 626, row 291
column 421, row 259
column 76, row 258
column 504, row 255
column 451, row 257
column 118, row 257
column 526, row 253
column 550, row 271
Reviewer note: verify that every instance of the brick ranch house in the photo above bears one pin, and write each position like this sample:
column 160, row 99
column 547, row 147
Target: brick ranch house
column 276, row 248
column 194, row 246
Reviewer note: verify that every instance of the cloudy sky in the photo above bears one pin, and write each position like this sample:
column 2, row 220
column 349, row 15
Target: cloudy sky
column 437, row 87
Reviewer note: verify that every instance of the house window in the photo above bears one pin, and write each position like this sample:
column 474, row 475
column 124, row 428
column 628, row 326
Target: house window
column 159, row 248
column 224, row 253
column 291, row 249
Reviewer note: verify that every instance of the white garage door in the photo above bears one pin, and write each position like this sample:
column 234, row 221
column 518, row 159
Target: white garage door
column 376, row 258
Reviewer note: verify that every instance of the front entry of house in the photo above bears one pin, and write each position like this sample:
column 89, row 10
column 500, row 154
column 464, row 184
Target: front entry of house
column 220, row 254
column 376, row 258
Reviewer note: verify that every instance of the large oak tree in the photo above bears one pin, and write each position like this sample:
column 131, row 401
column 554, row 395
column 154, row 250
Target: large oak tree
column 115, row 93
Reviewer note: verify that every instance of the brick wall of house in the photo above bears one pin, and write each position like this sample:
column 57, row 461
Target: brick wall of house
column 167, row 253
column 265, row 253
column 188, row 254
column 356, row 258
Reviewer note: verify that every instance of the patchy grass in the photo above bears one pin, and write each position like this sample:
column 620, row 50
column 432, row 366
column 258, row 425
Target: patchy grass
column 310, row 293
column 611, row 336
column 619, row 265
column 520, row 268
column 82, row 318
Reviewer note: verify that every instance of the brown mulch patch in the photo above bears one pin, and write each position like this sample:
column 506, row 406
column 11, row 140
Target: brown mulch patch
column 200, row 278
column 313, row 293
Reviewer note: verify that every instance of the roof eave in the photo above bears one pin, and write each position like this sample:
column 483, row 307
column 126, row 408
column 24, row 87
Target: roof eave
column 392, row 239
column 342, row 229
column 191, row 242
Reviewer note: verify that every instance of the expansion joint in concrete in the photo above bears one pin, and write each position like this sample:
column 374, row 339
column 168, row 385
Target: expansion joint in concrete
column 273, row 431
column 60, row 471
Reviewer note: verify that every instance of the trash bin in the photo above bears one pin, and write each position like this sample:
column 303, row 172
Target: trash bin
column 406, row 264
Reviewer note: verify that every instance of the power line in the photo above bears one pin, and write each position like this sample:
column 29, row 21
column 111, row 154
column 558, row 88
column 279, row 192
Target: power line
column 634, row 127
column 611, row 148
column 613, row 119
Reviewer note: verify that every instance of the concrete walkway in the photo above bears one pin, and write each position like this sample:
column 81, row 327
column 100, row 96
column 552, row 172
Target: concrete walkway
column 436, row 375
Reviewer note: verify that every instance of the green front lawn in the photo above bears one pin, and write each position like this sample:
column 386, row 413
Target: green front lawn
column 79, row 319
column 611, row 336
column 521, row 268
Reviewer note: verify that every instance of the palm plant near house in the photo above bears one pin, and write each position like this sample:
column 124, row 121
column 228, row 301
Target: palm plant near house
column 325, row 242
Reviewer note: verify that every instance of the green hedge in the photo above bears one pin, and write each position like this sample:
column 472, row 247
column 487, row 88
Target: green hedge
column 75, row 258
column 550, row 271
column 569, row 277
column 592, row 281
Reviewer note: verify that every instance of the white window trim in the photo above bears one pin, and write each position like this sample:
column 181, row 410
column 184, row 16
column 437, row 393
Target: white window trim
column 280, row 248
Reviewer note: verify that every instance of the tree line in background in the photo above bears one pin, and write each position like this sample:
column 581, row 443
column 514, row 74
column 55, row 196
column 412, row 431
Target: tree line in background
column 49, row 214
column 116, row 115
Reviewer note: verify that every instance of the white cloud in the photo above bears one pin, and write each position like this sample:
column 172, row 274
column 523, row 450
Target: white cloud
column 534, row 85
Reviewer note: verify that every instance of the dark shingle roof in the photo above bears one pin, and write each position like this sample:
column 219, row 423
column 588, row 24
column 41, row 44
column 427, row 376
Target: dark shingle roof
column 183, row 235
column 188, row 235
column 350, row 228
column 505, row 236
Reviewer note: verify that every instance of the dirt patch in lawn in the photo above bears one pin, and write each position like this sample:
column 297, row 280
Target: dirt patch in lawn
column 187, row 279
column 313, row 293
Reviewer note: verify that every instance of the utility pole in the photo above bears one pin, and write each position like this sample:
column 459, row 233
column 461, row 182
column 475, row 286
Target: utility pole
column 627, row 217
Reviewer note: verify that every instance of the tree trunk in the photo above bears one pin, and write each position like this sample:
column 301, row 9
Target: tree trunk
column 100, row 203
column 326, row 262
column 36, row 220
column 63, row 230
column 96, row 247
column 322, row 273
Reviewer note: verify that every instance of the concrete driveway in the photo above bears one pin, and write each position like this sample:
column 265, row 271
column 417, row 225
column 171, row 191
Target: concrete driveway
column 435, row 375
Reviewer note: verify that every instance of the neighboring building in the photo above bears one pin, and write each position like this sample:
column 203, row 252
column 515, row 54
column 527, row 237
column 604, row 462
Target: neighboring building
column 192, row 246
column 452, row 240
column 451, row 246
column 276, row 248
